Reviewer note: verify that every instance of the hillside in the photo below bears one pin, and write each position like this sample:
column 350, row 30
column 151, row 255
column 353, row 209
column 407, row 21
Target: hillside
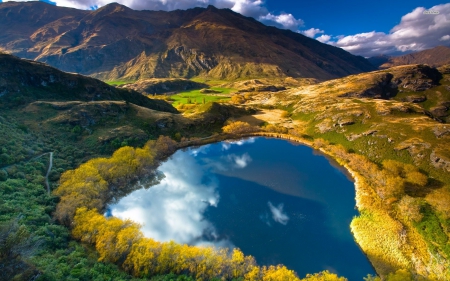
column 24, row 81
column 115, row 42
column 389, row 128
column 435, row 57
column 159, row 85
column 374, row 123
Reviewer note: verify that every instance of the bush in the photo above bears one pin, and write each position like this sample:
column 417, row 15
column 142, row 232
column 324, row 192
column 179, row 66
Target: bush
column 3, row 175
column 238, row 127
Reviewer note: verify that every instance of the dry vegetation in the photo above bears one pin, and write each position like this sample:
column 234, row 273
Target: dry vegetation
column 396, row 148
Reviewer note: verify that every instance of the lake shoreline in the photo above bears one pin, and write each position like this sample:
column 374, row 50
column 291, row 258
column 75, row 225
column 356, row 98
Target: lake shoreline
column 360, row 184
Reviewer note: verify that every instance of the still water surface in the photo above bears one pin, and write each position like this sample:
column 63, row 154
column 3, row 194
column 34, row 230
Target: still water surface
column 277, row 201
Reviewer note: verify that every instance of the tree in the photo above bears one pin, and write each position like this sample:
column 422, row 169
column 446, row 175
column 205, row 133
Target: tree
column 278, row 273
column 410, row 208
column 400, row 275
column 439, row 199
column 323, row 276
column 16, row 246
column 238, row 127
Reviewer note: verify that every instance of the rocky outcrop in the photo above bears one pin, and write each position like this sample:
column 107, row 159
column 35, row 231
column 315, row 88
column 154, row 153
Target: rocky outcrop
column 445, row 69
column 441, row 130
column 415, row 98
column 386, row 84
column 380, row 87
column 439, row 161
column 415, row 78
column 439, row 111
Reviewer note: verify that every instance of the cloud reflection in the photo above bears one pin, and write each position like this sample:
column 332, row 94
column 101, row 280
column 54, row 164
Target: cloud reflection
column 173, row 209
column 239, row 161
column 227, row 144
column 277, row 213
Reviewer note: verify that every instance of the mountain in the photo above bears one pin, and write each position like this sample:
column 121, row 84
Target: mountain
column 115, row 42
column 435, row 57
column 24, row 81
column 379, row 60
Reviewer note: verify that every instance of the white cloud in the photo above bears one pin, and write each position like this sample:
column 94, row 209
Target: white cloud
column 173, row 209
column 312, row 32
column 287, row 21
column 250, row 8
column 277, row 213
column 415, row 32
column 323, row 38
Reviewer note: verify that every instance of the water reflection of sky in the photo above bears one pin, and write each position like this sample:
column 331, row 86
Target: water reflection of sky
column 173, row 209
column 273, row 200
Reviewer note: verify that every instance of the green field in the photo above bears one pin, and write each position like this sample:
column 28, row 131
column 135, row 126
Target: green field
column 119, row 82
column 194, row 96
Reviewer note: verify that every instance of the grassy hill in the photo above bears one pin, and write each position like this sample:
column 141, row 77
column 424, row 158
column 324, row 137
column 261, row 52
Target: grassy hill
column 23, row 81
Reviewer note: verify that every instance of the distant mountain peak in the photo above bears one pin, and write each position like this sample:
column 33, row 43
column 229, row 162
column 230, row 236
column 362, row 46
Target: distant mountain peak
column 116, row 42
column 435, row 57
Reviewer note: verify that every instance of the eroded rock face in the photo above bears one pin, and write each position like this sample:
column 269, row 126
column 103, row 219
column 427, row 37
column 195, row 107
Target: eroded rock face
column 384, row 85
column 380, row 88
column 416, row 77
column 439, row 161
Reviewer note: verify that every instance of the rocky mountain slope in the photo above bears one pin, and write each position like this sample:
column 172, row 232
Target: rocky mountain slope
column 435, row 57
column 115, row 42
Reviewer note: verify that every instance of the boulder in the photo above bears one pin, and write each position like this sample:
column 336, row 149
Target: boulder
column 415, row 98
column 439, row 111
column 439, row 161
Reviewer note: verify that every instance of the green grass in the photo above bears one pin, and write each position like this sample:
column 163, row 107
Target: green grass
column 194, row 96
column 119, row 82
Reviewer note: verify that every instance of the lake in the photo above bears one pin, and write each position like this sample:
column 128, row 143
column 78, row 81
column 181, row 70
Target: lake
column 281, row 202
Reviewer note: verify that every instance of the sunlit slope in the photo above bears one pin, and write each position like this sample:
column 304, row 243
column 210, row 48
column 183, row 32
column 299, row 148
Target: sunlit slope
column 399, row 114
column 118, row 43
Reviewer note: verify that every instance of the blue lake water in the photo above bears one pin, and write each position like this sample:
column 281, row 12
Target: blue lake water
column 280, row 202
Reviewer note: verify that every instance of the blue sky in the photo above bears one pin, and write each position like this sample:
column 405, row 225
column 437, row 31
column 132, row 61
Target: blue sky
column 361, row 27
column 349, row 16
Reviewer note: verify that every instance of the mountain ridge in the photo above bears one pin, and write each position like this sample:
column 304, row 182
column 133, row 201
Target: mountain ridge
column 435, row 57
column 115, row 42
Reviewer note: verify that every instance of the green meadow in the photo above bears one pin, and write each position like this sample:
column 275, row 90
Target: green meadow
column 195, row 96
